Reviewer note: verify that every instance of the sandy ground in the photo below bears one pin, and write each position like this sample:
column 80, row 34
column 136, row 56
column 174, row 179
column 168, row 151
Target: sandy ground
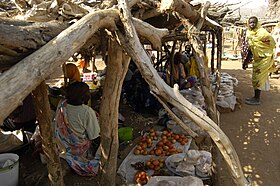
column 254, row 130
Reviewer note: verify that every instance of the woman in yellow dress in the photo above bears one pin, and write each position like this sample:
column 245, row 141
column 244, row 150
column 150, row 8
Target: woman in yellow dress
column 262, row 45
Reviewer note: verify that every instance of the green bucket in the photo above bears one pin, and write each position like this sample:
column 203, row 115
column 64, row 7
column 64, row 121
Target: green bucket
column 125, row 134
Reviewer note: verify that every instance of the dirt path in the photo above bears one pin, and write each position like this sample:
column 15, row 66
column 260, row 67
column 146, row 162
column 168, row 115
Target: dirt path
column 254, row 130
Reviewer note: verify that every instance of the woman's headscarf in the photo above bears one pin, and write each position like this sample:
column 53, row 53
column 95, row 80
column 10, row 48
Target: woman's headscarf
column 257, row 38
column 72, row 72
column 262, row 46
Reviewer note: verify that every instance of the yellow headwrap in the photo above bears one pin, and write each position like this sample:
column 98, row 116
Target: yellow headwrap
column 72, row 72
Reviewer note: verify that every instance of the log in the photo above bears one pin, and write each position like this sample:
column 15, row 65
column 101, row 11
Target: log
column 44, row 117
column 200, row 61
column 158, row 86
column 181, row 7
column 26, row 35
column 154, row 35
column 19, row 39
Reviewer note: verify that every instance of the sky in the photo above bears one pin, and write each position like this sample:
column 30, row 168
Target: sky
column 251, row 3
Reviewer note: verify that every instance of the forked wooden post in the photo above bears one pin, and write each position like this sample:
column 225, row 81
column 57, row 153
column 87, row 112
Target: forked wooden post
column 44, row 117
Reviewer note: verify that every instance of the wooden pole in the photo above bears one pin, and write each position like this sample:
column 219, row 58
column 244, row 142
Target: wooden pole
column 117, row 67
column 44, row 117
column 213, row 52
column 200, row 61
column 215, row 151
column 172, row 63
column 219, row 35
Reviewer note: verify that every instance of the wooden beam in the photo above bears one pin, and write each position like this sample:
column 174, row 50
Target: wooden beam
column 44, row 117
column 181, row 7
column 117, row 67
column 213, row 37
column 18, row 38
column 219, row 36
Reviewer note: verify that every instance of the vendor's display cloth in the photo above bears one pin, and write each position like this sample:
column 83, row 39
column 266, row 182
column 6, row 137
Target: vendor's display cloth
column 78, row 149
column 262, row 46
column 128, row 172
column 175, row 181
column 226, row 97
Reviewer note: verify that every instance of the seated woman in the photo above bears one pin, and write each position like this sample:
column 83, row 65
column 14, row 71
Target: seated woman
column 77, row 129
column 72, row 74
column 177, row 74
column 23, row 117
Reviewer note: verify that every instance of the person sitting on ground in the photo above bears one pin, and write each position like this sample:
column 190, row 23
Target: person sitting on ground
column 188, row 50
column 262, row 45
column 72, row 73
column 177, row 75
column 190, row 59
column 185, row 59
column 23, row 117
column 77, row 130
column 192, row 69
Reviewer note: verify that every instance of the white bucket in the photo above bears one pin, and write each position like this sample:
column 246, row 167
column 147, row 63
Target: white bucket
column 9, row 175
